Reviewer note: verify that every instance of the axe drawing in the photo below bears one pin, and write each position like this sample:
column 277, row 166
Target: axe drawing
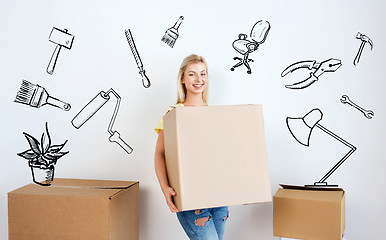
column 62, row 39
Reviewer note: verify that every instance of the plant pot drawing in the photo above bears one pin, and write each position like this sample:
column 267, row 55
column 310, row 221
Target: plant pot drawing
column 43, row 176
column 42, row 157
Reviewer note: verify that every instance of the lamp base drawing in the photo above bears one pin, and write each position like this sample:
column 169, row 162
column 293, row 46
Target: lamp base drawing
column 321, row 184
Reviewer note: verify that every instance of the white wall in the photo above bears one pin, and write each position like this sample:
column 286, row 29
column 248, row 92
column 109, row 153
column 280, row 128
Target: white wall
column 100, row 59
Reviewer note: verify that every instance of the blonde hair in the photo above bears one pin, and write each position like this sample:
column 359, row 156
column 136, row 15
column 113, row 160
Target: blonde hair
column 181, row 89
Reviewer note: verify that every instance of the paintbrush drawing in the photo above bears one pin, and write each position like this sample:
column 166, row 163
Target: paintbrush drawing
column 92, row 107
column 171, row 34
column 37, row 96
column 62, row 39
column 145, row 79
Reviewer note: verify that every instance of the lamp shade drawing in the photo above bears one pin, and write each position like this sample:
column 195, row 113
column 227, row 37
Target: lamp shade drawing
column 301, row 129
column 92, row 107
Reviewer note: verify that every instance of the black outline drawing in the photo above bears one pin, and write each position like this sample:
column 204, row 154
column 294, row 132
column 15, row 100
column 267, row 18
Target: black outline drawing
column 133, row 48
column 171, row 34
column 92, row 107
column 317, row 69
column 62, row 39
column 301, row 129
column 42, row 157
column 37, row 96
column 365, row 39
column 244, row 46
column 368, row 113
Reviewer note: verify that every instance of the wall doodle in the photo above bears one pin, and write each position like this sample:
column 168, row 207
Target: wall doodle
column 42, row 157
column 317, row 69
column 37, row 96
column 367, row 113
column 365, row 39
column 92, row 107
column 171, row 34
column 133, row 48
column 301, row 129
column 62, row 39
column 244, row 46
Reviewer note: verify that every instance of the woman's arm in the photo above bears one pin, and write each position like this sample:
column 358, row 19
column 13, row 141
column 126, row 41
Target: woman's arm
column 160, row 170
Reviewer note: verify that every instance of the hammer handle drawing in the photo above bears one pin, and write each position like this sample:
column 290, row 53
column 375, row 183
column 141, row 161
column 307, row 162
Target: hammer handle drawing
column 54, row 58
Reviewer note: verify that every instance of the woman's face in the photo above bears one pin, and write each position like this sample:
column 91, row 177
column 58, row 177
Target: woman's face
column 195, row 78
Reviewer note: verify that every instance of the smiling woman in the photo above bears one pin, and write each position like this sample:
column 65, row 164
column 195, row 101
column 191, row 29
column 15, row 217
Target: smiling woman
column 192, row 85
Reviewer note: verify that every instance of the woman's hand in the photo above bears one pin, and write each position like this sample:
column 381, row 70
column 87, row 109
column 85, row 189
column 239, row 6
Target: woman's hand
column 169, row 193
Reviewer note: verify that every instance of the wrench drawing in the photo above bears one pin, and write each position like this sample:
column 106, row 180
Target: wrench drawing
column 368, row 113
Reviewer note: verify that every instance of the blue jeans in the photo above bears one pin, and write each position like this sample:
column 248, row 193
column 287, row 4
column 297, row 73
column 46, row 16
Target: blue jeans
column 204, row 224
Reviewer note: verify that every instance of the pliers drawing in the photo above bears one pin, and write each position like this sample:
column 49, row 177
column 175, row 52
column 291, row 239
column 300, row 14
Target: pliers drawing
column 330, row 65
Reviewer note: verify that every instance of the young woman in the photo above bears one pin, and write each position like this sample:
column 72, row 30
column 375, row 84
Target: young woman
column 192, row 86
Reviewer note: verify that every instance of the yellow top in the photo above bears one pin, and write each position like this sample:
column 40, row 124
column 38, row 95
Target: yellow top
column 160, row 124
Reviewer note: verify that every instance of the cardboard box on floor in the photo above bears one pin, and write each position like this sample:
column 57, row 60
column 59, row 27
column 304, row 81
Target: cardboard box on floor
column 216, row 156
column 75, row 209
column 309, row 214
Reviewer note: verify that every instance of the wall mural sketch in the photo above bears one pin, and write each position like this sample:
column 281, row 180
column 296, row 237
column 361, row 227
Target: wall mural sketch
column 171, row 34
column 133, row 48
column 301, row 129
column 62, row 39
column 93, row 106
column 42, row 157
column 367, row 113
column 245, row 46
column 364, row 39
column 37, row 96
column 317, row 69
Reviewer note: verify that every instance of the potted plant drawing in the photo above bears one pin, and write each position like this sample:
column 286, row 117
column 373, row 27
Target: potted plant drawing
column 42, row 157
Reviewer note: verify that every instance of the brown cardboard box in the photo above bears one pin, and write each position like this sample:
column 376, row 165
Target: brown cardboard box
column 309, row 214
column 75, row 209
column 216, row 156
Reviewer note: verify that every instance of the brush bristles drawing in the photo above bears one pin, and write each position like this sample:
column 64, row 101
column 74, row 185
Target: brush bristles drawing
column 37, row 96
column 171, row 34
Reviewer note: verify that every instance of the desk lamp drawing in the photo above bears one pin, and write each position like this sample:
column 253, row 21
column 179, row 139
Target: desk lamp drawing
column 244, row 46
column 301, row 129
column 92, row 107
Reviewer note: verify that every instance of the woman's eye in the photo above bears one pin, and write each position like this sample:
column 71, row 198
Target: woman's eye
column 191, row 75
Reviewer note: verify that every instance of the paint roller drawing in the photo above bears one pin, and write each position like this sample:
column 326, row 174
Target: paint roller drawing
column 92, row 107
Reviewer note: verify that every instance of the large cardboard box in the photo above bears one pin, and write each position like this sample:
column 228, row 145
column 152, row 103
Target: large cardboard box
column 216, row 156
column 75, row 209
column 309, row 214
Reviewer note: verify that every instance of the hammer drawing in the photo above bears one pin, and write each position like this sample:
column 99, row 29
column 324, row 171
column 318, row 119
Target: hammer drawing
column 365, row 40
column 62, row 39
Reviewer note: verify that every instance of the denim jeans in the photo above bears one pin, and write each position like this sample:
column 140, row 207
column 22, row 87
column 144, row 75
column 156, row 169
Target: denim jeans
column 204, row 224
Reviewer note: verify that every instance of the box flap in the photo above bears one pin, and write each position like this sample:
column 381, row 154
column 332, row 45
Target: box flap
column 313, row 195
column 76, row 187
column 316, row 188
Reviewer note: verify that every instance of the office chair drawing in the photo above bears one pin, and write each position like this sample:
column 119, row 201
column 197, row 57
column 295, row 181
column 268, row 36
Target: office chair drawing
column 244, row 46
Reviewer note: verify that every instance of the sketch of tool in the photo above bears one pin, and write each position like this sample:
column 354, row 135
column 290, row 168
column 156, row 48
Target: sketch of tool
column 145, row 79
column 92, row 107
column 301, row 129
column 42, row 157
column 244, row 46
column 365, row 39
column 171, row 34
column 62, row 39
column 317, row 69
column 37, row 96
column 368, row 113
